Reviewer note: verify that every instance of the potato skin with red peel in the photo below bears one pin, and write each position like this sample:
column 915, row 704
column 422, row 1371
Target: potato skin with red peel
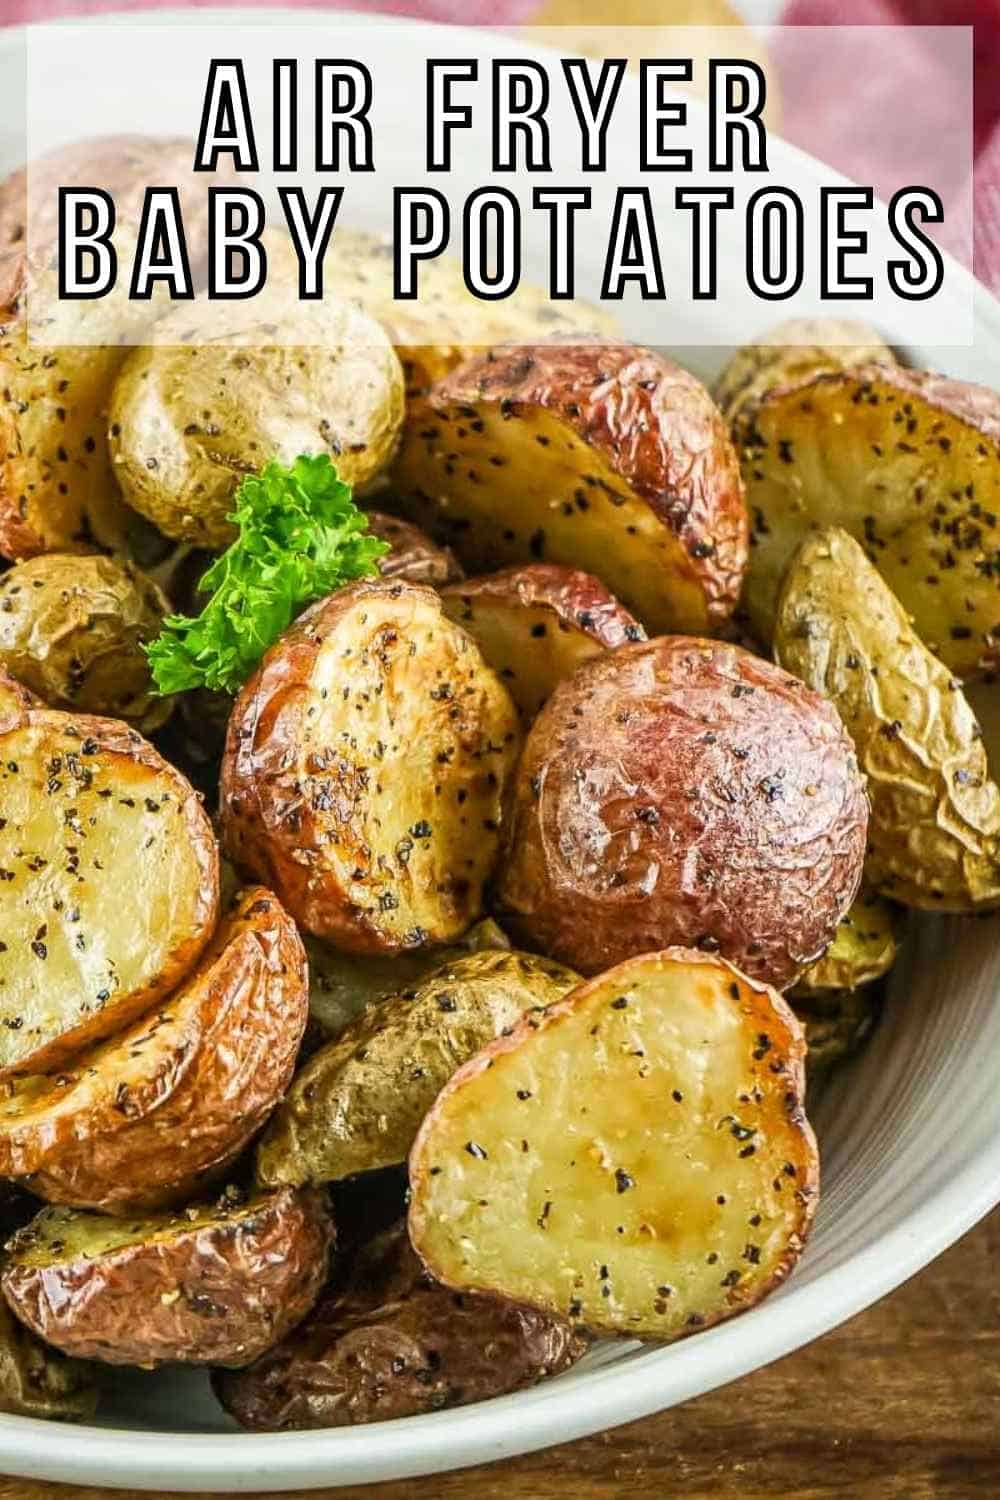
column 634, row 476
column 635, row 1157
column 365, row 770
column 387, row 1341
column 143, row 1119
column 536, row 624
column 684, row 792
column 414, row 557
column 213, row 1285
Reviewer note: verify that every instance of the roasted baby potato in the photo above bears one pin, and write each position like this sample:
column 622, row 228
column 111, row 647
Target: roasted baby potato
column 342, row 985
column 141, row 1120
column 591, row 1165
column 536, row 624
column 863, row 949
column 365, row 769
column 72, row 629
column 908, row 464
column 110, row 875
column 790, row 352
column 357, row 1104
column 36, row 1381
column 836, row 1023
column 684, row 791
column 214, row 1284
column 934, row 834
column 414, row 557
column 188, row 420
column 386, row 1341
column 14, row 700
column 605, row 457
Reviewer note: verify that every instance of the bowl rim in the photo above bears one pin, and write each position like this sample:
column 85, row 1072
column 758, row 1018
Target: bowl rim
column 579, row 1403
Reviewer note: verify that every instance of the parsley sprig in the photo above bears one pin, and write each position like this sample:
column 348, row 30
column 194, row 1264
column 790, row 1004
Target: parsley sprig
column 300, row 537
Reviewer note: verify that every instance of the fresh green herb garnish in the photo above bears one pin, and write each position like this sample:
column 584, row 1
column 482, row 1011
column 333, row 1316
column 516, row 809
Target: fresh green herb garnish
column 301, row 537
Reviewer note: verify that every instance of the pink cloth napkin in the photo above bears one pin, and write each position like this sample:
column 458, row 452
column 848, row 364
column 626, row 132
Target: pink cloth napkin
column 868, row 136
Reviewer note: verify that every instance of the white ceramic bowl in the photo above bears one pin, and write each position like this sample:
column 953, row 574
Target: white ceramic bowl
column 911, row 1158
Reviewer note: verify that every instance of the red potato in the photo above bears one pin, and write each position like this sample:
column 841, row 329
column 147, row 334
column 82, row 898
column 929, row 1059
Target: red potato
column 635, row 1157
column 414, row 557
column 684, row 792
column 536, row 624
column 602, row 456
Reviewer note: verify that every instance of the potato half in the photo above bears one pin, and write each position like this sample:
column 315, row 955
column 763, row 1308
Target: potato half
column 684, row 791
column 934, row 833
column 142, row 1119
column 591, row 1165
column 214, row 1284
column 110, row 875
column 365, row 769
column 358, row 1103
column 386, row 1341
column 536, row 624
column 215, row 399
column 906, row 462
column 73, row 628
column 605, row 457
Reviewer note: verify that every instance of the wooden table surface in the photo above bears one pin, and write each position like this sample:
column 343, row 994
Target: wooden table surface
column 902, row 1403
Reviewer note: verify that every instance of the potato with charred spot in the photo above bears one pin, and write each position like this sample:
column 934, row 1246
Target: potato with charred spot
column 605, row 457
column 365, row 770
column 215, row 1284
column 589, row 1164
column 684, row 791
column 535, row 625
column 143, row 1119
column 386, row 1341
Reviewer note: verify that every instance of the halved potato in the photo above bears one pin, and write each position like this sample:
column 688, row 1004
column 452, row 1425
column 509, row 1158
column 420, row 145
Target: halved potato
column 386, row 1341
column 863, row 949
column 216, row 398
column 110, row 875
column 343, row 985
column 789, row 352
column 595, row 1163
column 906, row 462
column 605, row 457
column 357, row 1104
column 934, row 830
column 142, row 1119
column 365, row 769
column 414, row 557
column 213, row 1284
column 536, row 624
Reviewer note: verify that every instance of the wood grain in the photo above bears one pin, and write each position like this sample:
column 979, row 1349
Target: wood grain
column 902, row 1403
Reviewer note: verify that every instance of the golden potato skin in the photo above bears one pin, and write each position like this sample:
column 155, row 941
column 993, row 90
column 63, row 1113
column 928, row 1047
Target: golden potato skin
column 863, row 950
column 358, row 1102
column 72, row 629
column 606, row 457
column 414, row 557
column 386, row 1341
column 791, row 351
column 908, row 463
column 110, row 883
column 215, row 1284
column 142, row 1120
column 536, row 624
column 636, row 1157
column 934, row 834
column 684, row 792
column 189, row 420
column 365, row 767
column 36, row 1381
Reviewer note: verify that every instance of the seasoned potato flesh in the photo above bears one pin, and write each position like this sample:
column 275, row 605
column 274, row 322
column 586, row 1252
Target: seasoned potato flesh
column 110, row 883
column 908, row 464
column 369, row 791
column 934, row 830
column 358, row 1102
column 636, row 1157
